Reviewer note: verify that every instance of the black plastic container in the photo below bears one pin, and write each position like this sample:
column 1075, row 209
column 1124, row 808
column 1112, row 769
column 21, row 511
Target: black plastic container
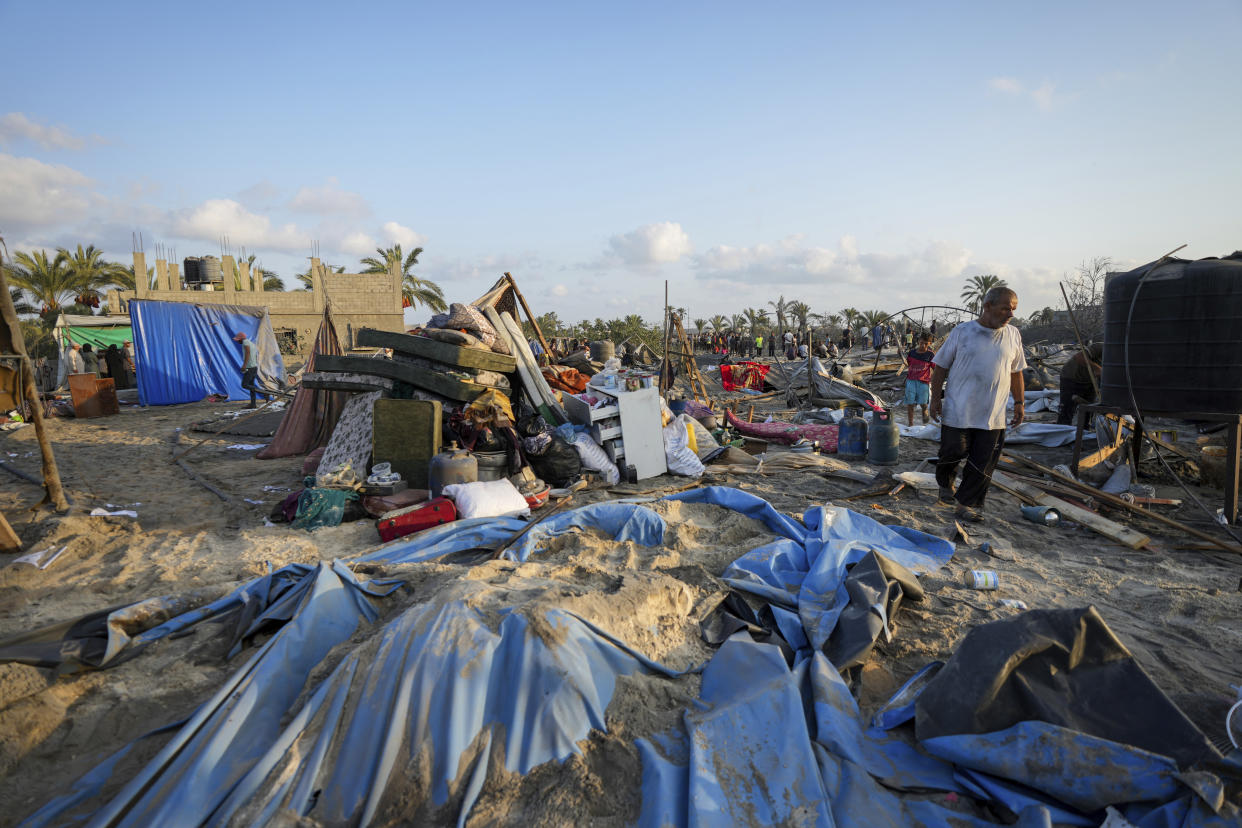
column 1185, row 337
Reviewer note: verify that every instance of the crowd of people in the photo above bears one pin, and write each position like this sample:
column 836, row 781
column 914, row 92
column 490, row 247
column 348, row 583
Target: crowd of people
column 114, row 362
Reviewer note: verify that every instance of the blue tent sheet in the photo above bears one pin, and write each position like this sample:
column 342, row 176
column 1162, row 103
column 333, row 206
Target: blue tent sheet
column 186, row 352
column 423, row 712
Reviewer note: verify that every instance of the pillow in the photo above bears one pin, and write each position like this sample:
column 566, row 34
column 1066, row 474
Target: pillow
column 490, row 498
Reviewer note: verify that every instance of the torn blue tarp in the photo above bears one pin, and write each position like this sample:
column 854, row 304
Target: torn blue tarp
column 186, row 351
column 807, row 572
column 194, row 772
column 448, row 694
column 437, row 691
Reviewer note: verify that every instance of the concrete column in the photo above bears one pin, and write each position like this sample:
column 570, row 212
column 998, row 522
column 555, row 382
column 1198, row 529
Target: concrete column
column 243, row 269
column 256, row 279
column 161, row 275
column 394, row 274
column 174, row 276
column 230, row 289
column 140, row 275
column 316, row 271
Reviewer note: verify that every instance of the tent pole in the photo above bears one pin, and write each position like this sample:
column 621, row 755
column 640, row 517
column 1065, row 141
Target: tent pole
column 522, row 300
column 54, row 492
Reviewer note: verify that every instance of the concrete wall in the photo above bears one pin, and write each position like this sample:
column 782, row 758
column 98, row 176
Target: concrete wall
column 357, row 300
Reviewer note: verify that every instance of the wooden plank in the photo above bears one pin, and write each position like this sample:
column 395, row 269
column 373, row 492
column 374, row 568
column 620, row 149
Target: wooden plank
column 1103, row 526
column 1178, row 450
column 9, row 542
column 1113, row 500
column 417, row 376
column 444, row 352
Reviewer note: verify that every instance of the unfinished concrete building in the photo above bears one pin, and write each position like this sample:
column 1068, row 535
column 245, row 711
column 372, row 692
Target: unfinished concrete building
column 357, row 300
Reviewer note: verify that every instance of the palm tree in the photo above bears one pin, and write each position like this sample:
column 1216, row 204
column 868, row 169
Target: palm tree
column 763, row 320
column 800, row 311
column 91, row 270
column 305, row 277
column 853, row 319
column 874, row 317
column 976, row 287
column 737, row 322
column 699, row 325
column 752, row 319
column 781, row 307
column 414, row 290
column 718, row 323
column 19, row 302
column 48, row 280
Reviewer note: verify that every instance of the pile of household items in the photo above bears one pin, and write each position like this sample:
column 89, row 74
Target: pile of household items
column 459, row 419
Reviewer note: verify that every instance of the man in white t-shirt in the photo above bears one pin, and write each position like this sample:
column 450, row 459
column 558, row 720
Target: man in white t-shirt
column 983, row 362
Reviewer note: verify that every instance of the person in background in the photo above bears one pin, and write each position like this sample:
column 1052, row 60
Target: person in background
column 1076, row 381
column 758, row 345
column 250, row 367
column 877, row 338
column 77, row 365
column 537, row 350
column 802, row 351
column 918, row 378
column 90, row 359
column 983, row 363
column 115, row 361
column 127, row 351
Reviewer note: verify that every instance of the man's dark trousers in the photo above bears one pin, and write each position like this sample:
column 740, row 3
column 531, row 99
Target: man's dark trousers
column 981, row 449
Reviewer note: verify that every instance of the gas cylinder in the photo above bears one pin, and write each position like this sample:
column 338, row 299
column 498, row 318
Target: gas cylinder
column 885, row 438
column 453, row 465
column 852, row 438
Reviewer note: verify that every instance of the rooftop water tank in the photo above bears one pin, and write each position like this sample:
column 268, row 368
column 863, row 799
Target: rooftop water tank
column 1185, row 336
column 211, row 269
column 193, row 270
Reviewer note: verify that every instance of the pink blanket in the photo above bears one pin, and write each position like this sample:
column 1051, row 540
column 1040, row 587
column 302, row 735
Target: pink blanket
column 787, row 433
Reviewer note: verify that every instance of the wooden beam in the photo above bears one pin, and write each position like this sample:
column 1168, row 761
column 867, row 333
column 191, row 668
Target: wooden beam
column 522, row 301
column 54, row 493
column 1101, row 525
column 9, row 542
column 1113, row 500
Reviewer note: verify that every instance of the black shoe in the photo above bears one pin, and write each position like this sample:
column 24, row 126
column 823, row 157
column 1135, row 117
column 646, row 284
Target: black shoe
column 970, row 514
column 945, row 495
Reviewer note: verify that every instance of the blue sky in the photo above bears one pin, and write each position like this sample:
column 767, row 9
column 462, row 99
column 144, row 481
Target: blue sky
column 865, row 155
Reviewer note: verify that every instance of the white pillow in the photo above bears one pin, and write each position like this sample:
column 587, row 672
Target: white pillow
column 489, row 498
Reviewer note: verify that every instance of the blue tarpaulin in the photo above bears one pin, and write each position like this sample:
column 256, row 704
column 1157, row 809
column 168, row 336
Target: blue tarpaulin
column 186, row 352
column 446, row 695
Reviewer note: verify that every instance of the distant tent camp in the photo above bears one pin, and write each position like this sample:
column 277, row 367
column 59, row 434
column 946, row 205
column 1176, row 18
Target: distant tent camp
column 312, row 415
column 185, row 352
column 81, row 329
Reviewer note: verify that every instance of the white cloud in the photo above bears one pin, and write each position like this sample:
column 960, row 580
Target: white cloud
column 219, row 217
column 650, row 244
column 791, row 261
column 329, row 200
column 1009, row 86
column 1043, row 95
column 35, row 193
column 402, row 235
column 15, row 126
column 559, row 290
column 359, row 244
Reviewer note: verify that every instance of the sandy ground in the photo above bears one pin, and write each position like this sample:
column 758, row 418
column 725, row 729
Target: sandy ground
column 1176, row 609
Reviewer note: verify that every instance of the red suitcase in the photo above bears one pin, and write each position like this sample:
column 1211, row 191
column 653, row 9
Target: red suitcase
column 413, row 519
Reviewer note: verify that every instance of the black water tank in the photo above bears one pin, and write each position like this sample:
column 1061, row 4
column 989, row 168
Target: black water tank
column 1185, row 336
column 192, row 268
